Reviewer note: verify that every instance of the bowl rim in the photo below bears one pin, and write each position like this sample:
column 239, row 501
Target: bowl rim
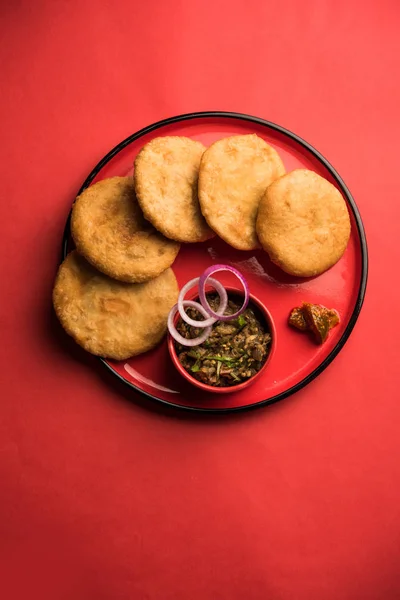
column 233, row 388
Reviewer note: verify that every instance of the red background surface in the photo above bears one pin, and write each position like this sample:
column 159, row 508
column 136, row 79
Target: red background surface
column 106, row 497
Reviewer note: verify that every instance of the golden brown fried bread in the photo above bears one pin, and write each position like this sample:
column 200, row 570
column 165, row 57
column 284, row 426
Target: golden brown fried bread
column 110, row 318
column 110, row 231
column 234, row 174
column 166, row 174
column 303, row 223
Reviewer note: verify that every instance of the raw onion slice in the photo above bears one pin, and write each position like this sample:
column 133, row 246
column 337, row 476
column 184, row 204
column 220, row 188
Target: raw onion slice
column 203, row 297
column 223, row 302
column 177, row 336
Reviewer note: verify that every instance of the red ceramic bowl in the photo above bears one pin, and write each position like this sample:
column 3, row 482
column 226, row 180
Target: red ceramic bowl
column 264, row 316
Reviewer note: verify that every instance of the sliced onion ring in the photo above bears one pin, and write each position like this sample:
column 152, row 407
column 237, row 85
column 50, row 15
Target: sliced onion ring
column 203, row 297
column 223, row 303
column 177, row 336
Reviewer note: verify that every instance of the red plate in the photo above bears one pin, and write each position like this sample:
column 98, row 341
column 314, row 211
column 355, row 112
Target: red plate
column 297, row 360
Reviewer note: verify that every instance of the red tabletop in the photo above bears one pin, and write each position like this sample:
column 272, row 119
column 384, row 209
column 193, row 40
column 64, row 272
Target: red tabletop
column 104, row 495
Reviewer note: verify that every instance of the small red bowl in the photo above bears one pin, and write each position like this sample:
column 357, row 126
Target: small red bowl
column 264, row 316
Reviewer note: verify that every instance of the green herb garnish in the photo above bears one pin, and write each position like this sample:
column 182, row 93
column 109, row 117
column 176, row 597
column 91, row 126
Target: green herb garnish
column 225, row 359
column 241, row 321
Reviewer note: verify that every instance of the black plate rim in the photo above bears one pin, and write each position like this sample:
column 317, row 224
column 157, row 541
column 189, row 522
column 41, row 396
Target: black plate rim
column 346, row 192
